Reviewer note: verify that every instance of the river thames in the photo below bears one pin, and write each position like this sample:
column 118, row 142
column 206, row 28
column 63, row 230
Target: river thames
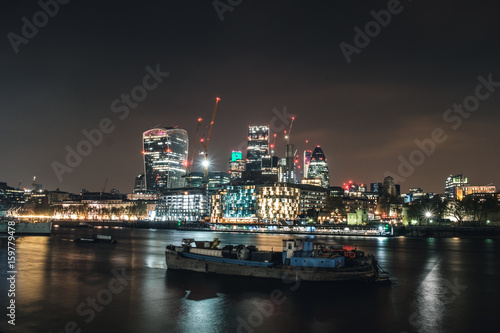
column 438, row 285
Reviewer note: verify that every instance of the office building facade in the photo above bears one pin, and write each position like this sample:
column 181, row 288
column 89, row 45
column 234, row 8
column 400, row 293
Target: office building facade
column 165, row 153
column 257, row 147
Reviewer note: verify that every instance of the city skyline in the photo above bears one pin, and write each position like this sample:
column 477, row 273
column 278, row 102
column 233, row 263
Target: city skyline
column 265, row 61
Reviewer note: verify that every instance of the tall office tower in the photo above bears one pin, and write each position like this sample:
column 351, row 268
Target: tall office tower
column 307, row 160
column 258, row 146
column 286, row 166
column 270, row 168
column 236, row 165
column 390, row 188
column 318, row 167
column 452, row 182
column 140, row 184
column 165, row 156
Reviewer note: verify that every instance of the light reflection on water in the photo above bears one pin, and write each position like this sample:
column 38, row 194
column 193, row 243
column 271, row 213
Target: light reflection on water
column 55, row 276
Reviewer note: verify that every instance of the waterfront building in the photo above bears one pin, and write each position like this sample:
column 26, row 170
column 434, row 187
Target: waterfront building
column 318, row 167
column 102, row 206
column 462, row 191
column 235, row 204
column 312, row 198
column 257, row 147
column 278, row 202
column 452, row 182
column 270, row 203
column 183, row 204
column 165, row 156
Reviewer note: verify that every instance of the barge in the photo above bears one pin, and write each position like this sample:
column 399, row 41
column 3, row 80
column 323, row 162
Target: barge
column 299, row 259
column 26, row 228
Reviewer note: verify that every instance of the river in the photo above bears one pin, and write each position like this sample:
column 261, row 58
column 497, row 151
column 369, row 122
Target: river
column 438, row 285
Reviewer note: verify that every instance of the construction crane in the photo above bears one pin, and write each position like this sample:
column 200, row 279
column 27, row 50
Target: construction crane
column 289, row 155
column 189, row 162
column 287, row 135
column 105, row 183
column 206, row 142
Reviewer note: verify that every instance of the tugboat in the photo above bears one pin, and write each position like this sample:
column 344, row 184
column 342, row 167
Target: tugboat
column 302, row 259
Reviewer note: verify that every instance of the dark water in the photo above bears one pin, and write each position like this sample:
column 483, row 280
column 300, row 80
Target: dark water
column 439, row 285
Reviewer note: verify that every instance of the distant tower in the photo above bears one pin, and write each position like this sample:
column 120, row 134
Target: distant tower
column 236, row 165
column 165, row 156
column 318, row 167
column 307, row 160
column 389, row 187
column 140, row 184
column 258, row 146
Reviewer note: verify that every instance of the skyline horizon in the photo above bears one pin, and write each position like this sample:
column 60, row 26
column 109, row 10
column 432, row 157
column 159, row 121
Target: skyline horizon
column 197, row 167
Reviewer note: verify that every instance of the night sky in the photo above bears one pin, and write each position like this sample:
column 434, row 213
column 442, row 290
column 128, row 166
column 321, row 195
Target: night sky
column 264, row 55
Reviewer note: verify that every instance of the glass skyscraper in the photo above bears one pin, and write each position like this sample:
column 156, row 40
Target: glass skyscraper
column 258, row 145
column 165, row 156
column 318, row 167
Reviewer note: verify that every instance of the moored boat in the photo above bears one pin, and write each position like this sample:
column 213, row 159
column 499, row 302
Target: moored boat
column 299, row 259
column 96, row 239
column 26, row 228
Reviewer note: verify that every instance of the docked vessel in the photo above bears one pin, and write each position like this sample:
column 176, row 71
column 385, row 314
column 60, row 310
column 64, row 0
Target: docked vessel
column 26, row 228
column 299, row 259
column 96, row 239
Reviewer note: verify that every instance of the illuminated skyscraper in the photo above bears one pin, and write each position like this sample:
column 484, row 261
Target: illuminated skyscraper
column 318, row 167
column 236, row 165
column 165, row 155
column 258, row 145
column 307, row 160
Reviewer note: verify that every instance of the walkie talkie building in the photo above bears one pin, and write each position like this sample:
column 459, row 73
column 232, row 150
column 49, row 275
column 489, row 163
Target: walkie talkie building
column 165, row 153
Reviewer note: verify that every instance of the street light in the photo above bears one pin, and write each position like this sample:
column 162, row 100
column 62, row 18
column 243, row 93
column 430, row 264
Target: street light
column 428, row 215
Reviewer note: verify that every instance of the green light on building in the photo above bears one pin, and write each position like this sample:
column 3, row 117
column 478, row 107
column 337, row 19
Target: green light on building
column 236, row 155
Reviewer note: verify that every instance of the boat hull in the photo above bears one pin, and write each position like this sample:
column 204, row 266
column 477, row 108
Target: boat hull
column 28, row 229
column 176, row 261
